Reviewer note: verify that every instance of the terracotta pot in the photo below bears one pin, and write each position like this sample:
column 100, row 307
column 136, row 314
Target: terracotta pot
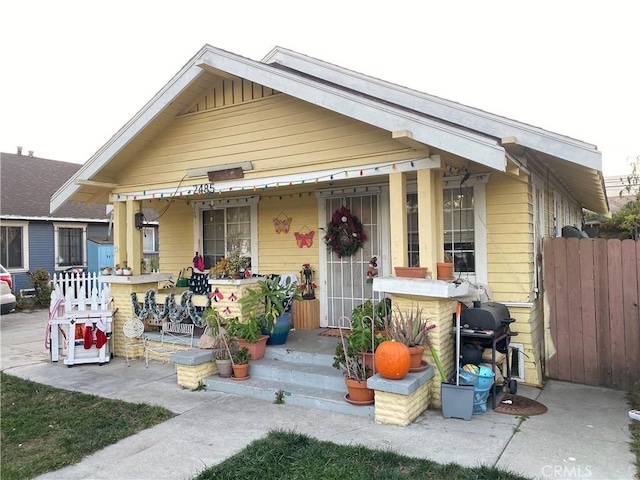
column 411, row 272
column 416, row 356
column 241, row 371
column 368, row 359
column 358, row 391
column 256, row 349
column 445, row 270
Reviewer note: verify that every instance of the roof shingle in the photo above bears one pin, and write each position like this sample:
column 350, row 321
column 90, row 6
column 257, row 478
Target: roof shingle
column 27, row 184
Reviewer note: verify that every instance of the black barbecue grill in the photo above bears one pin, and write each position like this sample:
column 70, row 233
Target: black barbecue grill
column 488, row 324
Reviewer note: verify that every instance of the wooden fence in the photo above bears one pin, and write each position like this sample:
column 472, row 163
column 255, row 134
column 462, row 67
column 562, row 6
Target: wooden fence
column 593, row 290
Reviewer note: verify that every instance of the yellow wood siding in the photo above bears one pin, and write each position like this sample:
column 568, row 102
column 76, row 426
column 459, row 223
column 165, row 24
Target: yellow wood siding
column 279, row 253
column 175, row 236
column 278, row 134
column 510, row 262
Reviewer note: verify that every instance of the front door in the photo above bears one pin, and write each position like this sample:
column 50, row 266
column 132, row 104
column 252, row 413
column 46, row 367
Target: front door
column 346, row 277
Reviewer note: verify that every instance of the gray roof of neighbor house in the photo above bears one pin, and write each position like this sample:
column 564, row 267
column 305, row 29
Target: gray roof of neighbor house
column 27, row 184
column 482, row 137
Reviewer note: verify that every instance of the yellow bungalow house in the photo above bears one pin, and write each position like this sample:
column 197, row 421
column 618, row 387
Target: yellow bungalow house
column 266, row 151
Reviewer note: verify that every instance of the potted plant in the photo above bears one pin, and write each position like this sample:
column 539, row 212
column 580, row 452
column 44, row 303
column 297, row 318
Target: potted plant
column 238, row 263
column 125, row 269
column 224, row 347
column 410, row 328
column 248, row 333
column 222, row 268
column 240, row 361
column 268, row 301
column 364, row 340
column 355, row 373
column 445, row 268
column 216, row 337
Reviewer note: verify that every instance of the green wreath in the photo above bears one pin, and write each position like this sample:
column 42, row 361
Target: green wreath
column 345, row 233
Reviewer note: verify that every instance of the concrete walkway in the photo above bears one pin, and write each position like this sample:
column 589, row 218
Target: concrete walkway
column 584, row 434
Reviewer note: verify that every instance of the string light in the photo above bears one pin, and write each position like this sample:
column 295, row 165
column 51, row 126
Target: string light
column 450, row 170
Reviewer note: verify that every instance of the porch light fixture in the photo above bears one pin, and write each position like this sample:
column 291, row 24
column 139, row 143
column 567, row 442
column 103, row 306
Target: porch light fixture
column 229, row 171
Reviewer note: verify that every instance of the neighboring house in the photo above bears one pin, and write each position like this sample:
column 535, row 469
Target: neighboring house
column 269, row 150
column 615, row 186
column 32, row 238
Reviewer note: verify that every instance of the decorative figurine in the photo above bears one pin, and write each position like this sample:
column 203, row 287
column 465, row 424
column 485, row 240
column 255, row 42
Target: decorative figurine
column 307, row 282
column 372, row 271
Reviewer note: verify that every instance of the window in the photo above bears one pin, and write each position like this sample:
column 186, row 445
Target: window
column 70, row 244
column 149, row 240
column 464, row 218
column 459, row 232
column 13, row 243
column 225, row 228
column 412, row 230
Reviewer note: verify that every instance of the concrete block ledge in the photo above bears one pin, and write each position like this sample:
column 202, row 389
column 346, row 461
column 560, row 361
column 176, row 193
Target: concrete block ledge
column 404, row 386
column 194, row 356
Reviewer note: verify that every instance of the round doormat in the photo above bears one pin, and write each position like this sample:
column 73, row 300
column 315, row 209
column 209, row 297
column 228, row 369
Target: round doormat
column 516, row 405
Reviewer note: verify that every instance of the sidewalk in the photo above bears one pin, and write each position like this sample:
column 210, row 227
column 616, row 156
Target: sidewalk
column 584, row 434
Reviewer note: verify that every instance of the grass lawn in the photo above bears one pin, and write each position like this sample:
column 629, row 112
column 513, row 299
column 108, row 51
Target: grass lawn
column 290, row 455
column 45, row 428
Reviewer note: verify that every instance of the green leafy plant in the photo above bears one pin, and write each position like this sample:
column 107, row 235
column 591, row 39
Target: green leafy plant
column 267, row 300
column 238, row 261
column 249, row 329
column 41, row 282
column 279, row 397
column 379, row 313
column 200, row 387
column 242, row 356
column 348, row 360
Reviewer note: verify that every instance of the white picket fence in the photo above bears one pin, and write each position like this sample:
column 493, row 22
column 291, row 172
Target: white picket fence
column 80, row 291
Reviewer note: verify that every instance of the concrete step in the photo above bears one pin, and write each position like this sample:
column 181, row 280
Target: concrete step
column 307, row 380
column 294, row 394
column 299, row 373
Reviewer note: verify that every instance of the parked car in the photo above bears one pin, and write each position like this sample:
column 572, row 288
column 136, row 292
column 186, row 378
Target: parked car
column 7, row 299
column 5, row 276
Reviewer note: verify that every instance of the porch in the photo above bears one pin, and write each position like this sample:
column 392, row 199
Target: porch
column 301, row 370
column 208, row 428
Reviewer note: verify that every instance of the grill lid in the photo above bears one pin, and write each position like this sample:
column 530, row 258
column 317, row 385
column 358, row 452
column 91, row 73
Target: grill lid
column 486, row 316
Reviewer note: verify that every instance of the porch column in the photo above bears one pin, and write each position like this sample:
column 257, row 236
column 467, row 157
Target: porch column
column 430, row 221
column 134, row 237
column 119, row 232
column 398, row 220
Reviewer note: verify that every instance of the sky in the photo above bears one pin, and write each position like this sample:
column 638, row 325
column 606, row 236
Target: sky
column 74, row 72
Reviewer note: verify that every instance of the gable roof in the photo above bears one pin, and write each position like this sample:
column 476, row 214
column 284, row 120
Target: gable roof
column 481, row 137
column 27, row 184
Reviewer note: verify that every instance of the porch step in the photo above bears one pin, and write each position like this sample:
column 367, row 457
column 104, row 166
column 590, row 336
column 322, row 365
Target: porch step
column 307, row 380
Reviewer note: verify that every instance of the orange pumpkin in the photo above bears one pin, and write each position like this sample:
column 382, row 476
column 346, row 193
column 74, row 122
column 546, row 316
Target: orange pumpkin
column 393, row 359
